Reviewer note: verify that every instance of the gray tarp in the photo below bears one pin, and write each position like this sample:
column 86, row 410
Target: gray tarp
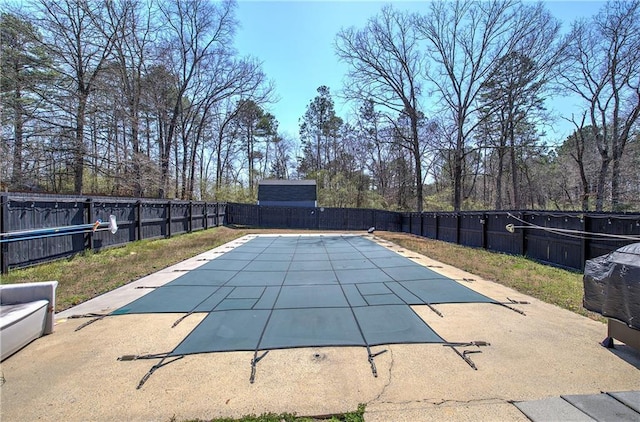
column 612, row 285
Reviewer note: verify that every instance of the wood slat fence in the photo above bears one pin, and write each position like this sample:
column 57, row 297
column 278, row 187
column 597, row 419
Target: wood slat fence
column 540, row 241
column 137, row 219
column 545, row 238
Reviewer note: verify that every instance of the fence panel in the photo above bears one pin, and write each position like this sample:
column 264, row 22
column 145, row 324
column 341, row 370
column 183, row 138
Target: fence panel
column 273, row 217
column 303, row 218
column 543, row 244
column 332, row 218
column 197, row 216
column 154, row 219
column 136, row 219
column 471, row 229
column 430, row 225
column 498, row 239
column 243, row 214
column 221, row 214
column 448, row 228
column 125, row 213
column 359, row 219
column 415, row 225
column 24, row 214
column 387, row 220
column 623, row 225
column 180, row 217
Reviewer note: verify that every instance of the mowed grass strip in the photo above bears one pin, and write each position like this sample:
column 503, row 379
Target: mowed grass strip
column 91, row 274
column 355, row 416
column 549, row 284
column 88, row 275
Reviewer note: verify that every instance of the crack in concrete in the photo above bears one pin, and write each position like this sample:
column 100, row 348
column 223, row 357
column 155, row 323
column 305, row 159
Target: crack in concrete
column 440, row 402
column 388, row 383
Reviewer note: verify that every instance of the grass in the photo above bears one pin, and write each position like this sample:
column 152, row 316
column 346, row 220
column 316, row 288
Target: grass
column 355, row 416
column 88, row 275
column 549, row 284
column 85, row 276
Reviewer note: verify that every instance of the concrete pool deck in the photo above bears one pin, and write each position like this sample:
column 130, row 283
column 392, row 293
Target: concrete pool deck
column 549, row 352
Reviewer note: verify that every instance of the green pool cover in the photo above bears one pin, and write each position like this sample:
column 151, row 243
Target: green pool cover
column 276, row 292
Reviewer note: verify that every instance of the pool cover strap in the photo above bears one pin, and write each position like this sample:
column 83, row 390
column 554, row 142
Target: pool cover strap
column 283, row 292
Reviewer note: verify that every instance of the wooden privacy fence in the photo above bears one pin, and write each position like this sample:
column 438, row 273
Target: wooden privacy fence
column 535, row 236
column 137, row 219
column 564, row 239
column 539, row 240
column 311, row 218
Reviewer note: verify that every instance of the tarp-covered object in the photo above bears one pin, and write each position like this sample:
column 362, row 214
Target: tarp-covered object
column 612, row 285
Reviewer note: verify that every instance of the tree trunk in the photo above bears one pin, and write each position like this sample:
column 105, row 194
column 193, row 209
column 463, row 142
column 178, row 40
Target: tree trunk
column 79, row 147
column 17, row 178
column 499, row 174
column 517, row 203
column 602, row 179
column 457, row 170
column 418, row 161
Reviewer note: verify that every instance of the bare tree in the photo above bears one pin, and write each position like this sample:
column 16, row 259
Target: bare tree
column 76, row 38
column 197, row 31
column 23, row 67
column 386, row 68
column 577, row 147
column 512, row 95
column 132, row 23
column 604, row 70
column 465, row 39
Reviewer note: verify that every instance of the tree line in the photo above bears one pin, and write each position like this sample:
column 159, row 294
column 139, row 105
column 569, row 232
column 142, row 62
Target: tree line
column 148, row 98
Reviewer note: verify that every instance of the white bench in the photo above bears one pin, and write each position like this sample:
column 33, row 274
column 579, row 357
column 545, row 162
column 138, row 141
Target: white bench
column 26, row 313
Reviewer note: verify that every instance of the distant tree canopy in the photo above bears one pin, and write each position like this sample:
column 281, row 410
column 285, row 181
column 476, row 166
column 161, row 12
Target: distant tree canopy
column 449, row 106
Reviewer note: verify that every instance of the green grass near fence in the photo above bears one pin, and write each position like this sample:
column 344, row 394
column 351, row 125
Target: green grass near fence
column 549, row 284
column 90, row 274
column 355, row 416
column 86, row 276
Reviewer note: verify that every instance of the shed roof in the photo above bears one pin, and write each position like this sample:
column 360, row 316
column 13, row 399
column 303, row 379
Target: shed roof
column 286, row 182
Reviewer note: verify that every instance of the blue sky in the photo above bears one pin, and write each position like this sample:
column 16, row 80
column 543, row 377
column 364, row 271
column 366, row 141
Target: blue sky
column 294, row 40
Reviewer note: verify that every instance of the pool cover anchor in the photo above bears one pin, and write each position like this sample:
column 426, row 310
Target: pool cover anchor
column 96, row 317
column 254, row 362
column 182, row 318
column 514, row 302
column 464, row 354
column 437, row 312
column 161, row 356
column 371, row 358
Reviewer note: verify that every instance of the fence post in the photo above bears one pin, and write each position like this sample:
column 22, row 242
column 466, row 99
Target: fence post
column 205, row 216
column 436, row 217
column 410, row 222
column 89, row 214
column 138, row 220
column 483, row 227
column 523, row 238
column 584, row 243
column 457, row 228
column 168, row 218
column 4, row 227
column 190, row 217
